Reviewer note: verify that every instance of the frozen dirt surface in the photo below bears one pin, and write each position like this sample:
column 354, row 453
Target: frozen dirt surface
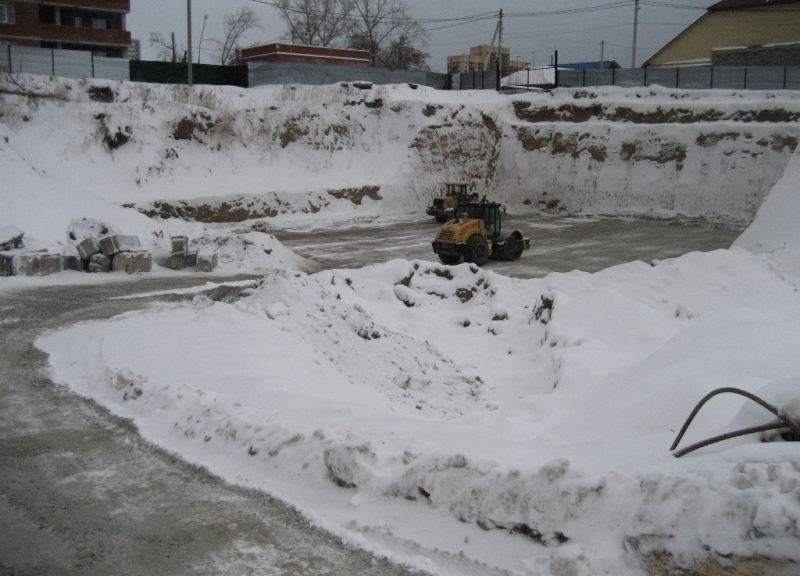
column 557, row 244
column 80, row 493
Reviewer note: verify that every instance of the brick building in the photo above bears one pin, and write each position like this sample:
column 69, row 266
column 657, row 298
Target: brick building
column 96, row 26
column 305, row 55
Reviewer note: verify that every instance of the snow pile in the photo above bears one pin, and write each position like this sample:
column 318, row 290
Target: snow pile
column 419, row 409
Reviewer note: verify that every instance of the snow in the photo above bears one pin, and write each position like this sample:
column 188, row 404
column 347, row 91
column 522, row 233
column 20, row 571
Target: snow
column 448, row 417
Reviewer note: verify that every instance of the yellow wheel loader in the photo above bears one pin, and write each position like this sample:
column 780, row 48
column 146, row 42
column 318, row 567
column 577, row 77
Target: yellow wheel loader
column 475, row 235
column 444, row 208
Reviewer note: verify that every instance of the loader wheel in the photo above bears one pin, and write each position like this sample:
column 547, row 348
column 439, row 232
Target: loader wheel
column 441, row 218
column 449, row 260
column 477, row 250
column 516, row 253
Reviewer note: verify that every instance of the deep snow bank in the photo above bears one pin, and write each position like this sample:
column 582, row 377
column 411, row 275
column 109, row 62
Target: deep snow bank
column 322, row 152
column 523, row 423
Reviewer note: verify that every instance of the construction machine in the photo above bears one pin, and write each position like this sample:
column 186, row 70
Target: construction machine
column 456, row 194
column 475, row 234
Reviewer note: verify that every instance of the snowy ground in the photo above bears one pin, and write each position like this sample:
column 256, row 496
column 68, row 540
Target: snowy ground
column 423, row 411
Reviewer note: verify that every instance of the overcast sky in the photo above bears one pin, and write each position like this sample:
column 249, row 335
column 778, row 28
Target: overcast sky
column 576, row 32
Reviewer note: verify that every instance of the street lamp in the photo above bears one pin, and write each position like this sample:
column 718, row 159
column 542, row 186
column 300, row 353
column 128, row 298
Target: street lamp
column 200, row 45
column 189, row 42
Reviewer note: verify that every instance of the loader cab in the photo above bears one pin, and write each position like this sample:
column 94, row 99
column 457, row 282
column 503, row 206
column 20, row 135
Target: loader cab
column 458, row 189
column 489, row 212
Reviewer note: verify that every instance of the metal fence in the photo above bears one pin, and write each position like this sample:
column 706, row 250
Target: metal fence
column 65, row 63
column 700, row 77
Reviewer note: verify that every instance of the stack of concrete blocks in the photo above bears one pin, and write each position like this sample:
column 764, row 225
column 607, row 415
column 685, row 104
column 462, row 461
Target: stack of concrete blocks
column 115, row 253
column 16, row 260
column 180, row 257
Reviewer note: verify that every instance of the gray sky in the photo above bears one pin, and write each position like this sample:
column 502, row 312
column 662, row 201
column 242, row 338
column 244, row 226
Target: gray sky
column 576, row 34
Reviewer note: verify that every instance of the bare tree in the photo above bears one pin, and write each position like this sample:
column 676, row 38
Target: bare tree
column 402, row 54
column 167, row 51
column 235, row 26
column 315, row 22
column 376, row 22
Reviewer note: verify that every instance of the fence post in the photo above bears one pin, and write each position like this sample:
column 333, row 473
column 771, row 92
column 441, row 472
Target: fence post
column 645, row 77
column 10, row 64
column 745, row 78
column 785, row 68
column 711, row 81
column 92, row 56
column 677, row 78
column 53, row 61
column 613, row 76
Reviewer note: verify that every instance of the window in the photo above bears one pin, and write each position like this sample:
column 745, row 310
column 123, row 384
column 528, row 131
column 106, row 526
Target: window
column 100, row 23
column 6, row 14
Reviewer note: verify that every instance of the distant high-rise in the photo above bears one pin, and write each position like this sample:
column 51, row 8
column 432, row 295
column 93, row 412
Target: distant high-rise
column 476, row 59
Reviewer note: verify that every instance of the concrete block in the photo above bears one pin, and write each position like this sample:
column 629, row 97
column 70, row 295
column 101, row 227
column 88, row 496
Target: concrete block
column 36, row 264
column 181, row 261
column 10, row 237
column 132, row 262
column 111, row 245
column 73, row 263
column 50, row 264
column 99, row 263
column 180, row 244
column 6, row 264
column 88, row 248
column 26, row 264
column 206, row 262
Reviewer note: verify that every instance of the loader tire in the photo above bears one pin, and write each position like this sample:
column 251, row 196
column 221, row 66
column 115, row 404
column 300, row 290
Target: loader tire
column 477, row 250
column 516, row 253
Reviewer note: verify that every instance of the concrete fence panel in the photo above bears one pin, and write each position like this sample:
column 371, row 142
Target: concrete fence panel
column 112, row 68
column 629, row 77
column 666, row 77
column 31, row 61
column 729, row 77
column 793, row 78
column 765, row 78
column 72, row 64
column 698, row 78
column 262, row 73
column 597, row 77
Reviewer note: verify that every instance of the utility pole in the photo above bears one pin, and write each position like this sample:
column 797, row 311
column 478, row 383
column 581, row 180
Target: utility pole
column 189, row 41
column 602, row 53
column 635, row 31
column 500, row 43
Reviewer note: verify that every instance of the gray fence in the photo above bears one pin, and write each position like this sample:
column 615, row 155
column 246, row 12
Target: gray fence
column 66, row 63
column 700, row 77
column 262, row 73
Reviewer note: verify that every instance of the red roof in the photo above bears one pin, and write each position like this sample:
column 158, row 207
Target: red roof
column 742, row 4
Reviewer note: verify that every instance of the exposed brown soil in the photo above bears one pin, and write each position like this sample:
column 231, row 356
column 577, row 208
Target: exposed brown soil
column 356, row 195
column 612, row 113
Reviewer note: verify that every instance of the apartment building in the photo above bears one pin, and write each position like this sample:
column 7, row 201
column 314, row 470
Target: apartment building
column 97, row 26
